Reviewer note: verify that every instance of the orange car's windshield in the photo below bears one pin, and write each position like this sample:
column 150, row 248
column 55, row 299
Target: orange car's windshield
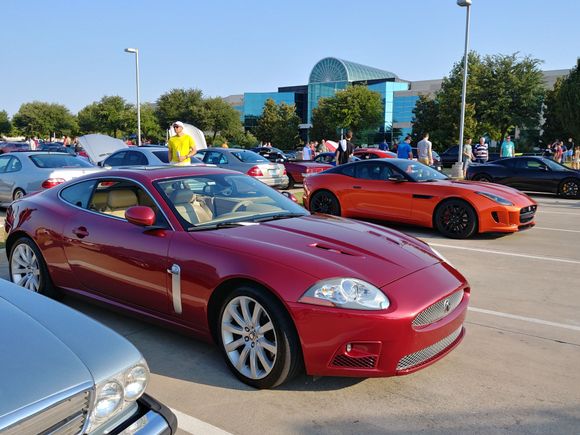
column 418, row 171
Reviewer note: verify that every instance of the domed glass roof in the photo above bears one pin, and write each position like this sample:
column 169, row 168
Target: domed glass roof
column 331, row 69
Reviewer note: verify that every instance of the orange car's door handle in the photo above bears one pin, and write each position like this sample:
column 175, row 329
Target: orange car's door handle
column 80, row 232
column 357, row 187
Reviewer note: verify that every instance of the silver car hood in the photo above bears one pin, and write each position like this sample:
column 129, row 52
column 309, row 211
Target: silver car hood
column 100, row 146
column 48, row 348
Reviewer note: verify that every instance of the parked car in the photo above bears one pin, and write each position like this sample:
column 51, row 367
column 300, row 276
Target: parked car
column 220, row 255
column 8, row 147
column 410, row 192
column 295, row 169
column 31, row 171
column 373, row 153
column 247, row 162
column 330, row 158
column 451, row 154
column 64, row 373
column 140, row 156
column 436, row 158
column 533, row 174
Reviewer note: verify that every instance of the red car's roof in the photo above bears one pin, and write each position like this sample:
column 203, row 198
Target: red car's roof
column 161, row 172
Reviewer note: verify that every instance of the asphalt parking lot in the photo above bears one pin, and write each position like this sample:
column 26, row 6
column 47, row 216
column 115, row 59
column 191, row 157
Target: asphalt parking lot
column 517, row 371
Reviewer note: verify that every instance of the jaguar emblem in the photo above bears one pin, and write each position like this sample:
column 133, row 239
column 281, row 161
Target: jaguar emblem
column 446, row 305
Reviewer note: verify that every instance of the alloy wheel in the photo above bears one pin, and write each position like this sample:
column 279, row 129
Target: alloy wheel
column 570, row 188
column 456, row 219
column 25, row 267
column 249, row 337
column 324, row 202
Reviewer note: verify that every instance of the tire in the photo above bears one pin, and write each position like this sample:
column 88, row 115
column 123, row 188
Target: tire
column 482, row 177
column 291, row 182
column 456, row 219
column 325, row 202
column 18, row 193
column 28, row 269
column 257, row 338
column 569, row 188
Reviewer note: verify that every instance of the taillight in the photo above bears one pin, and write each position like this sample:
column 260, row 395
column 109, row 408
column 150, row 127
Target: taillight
column 255, row 171
column 51, row 182
column 284, row 171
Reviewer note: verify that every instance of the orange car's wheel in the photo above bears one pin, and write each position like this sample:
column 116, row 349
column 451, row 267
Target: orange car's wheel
column 325, row 202
column 456, row 219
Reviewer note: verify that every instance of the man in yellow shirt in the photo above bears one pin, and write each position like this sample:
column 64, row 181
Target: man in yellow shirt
column 181, row 146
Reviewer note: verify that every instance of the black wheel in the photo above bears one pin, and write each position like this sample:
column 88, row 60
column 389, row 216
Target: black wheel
column 569, row 188
column 325, row 202
column 482, row 177
column 291, row 182
column 28, row 269
column 18, row 193
column 259, row 342
column 456, row 219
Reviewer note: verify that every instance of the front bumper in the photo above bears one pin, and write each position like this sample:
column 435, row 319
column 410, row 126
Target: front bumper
column 507, row 219
column 151, row 418
column 339, row 342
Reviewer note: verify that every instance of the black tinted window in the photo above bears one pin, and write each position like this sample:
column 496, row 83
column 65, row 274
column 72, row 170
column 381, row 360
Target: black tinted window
column 163, row 156
column 372, row 171
column 78, row 194
column 59, row 161
column 135, row 158
column 116, row 159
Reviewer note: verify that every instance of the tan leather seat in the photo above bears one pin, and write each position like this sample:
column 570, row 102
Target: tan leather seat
column 190, row 208
column 120, row 200
column 99, row 201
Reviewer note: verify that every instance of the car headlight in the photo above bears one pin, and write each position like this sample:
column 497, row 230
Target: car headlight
column 495, row 198
column 346, row 293
column 109, row 398
column 136, row 381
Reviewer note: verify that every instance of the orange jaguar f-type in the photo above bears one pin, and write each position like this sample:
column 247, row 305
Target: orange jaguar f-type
column 409, row 192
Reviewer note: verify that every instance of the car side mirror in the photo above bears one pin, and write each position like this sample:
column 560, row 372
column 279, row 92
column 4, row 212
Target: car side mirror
column 140, row 215
column 290, row 196
column 396, row 177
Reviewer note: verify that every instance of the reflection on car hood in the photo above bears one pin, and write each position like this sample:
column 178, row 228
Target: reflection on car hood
column 326, row 246
column 495, row 189
column 100, row 146
column 47, row 348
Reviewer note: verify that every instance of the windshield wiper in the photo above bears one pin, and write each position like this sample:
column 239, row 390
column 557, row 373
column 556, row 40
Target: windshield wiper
column 279, row 216
column 218, row 225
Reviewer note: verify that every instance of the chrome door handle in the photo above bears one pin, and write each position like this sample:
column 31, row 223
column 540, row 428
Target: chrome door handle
column 175, row 272
column 80, row 232
column 357, row 187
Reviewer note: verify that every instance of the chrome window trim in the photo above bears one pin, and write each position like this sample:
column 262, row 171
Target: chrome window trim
column 108, row 215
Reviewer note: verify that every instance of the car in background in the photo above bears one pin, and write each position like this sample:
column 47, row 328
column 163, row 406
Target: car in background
column 436, row 158
column 63, row 373
column 529, row 173
column 140, row 156
column 31, row 171
column 247, row 162
column 56, row 147
column 330, row 159
column 220, row 255
column 8, row 147
column 451, row 154
column 295, row 169
column 409, row 192
column 373, row 153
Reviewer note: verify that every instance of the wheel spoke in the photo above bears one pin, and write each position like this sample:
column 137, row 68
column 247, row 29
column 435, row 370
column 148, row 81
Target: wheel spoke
column 233, row 328
column 234, row 344
column 265, row 328
column 270, row 347
column 242, row 359
column 256, row 314
column 244, row 304
column 234, row 313
column 253, row 363
column 264, row 360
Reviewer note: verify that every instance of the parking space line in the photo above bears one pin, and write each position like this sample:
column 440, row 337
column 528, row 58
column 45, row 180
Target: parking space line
column 525, row 319
column 511, row 254
column 195, row 426
column 557, row 229
column 558, row 212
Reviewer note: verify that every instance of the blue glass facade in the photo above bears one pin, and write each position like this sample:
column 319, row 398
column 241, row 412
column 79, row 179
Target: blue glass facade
column 403, row 108
column 386, row 90
column 316, row 91
column 254, row 101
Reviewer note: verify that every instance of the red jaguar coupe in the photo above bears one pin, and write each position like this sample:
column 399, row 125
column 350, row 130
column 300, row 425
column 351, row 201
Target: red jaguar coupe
column 222, row 256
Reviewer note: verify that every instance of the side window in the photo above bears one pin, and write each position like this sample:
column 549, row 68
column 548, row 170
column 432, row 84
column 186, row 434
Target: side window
column 78, row 194
column 135, row 158
column 215, row 158
column 14, row 165
column 371, row 171
column 201, row 155
column 347, row 170
column 4, row 160
column 116, row 159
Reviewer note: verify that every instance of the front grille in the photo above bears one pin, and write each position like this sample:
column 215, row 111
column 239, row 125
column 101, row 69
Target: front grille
column 527, row 214
column 64, row 418
column 365, row 362
column 423, row 355
column 438, row 310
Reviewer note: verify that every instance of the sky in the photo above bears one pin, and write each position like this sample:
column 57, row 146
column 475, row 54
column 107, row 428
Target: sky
column 72, row 51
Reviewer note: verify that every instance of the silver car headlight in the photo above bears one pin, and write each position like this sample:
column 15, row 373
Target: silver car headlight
column 495, row 198
column 136, row 381
column 109, row 399
column 346, row 293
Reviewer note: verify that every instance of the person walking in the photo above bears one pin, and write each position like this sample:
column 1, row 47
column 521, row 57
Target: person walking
column 468, row 156
column 404, row 150
column 180, row 147
column 424, row 150
column 481, row 151
column 507, row 148
column 344, row 149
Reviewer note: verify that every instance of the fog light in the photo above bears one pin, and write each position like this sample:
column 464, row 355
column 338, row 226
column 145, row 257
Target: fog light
column 348, row 347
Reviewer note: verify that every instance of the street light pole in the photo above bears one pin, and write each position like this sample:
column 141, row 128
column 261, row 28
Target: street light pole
column 459, row 168
column 136, row 51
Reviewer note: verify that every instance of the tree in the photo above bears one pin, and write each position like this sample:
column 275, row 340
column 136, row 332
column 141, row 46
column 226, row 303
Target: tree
column 356, row 108
column 184, row 105
column 150, row 128
column 111, row 115
column 563, row 114
column 220, row 118
column 44, row 119
column 278, row 124
column 5, row 124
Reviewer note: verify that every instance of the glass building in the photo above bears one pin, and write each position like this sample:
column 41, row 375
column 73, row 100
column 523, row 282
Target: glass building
column 254, row 104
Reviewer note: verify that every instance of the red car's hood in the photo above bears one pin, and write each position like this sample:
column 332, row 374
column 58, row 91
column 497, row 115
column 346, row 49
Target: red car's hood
column 506, row 192
column 325, row 246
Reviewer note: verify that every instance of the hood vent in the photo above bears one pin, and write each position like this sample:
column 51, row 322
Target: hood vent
column 329, row 249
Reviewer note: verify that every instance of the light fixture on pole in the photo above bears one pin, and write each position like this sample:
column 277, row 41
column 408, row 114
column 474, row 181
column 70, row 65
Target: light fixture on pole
column 458, row 168
column 136, row 51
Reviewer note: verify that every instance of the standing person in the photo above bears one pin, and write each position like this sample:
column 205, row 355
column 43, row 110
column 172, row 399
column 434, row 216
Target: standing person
column 384, row 146
column 66, row 141
column 576, row 158
column 557, row 151
column 306, row 152
column 481, row 151
column 180, row 147
column 468, row 156
column 507, row 148
column 404, row 150
column 322, row 148
column 548, row 152
column 424, row 150
column 344, row 149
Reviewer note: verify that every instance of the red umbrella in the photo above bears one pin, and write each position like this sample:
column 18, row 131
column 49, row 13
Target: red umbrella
column 331, row 146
